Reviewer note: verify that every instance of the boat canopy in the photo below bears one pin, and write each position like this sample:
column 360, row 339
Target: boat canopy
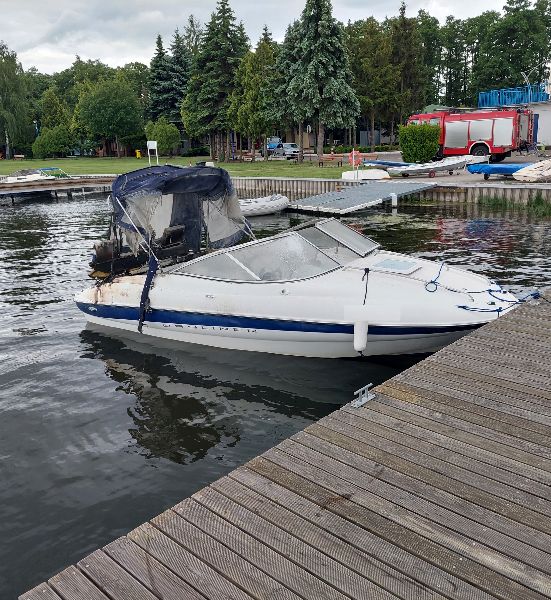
column 300, row 254
column 157, row 201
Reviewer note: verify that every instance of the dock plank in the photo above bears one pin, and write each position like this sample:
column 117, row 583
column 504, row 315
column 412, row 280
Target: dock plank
column 439, row 488
column 150, row 572
column 112, row 579
column 40, row 592
column 71, row 584
column 426, row 548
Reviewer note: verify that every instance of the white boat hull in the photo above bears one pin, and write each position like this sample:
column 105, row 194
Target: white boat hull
column 535, row 173
column 449, row 164
column 291, row 343
column 256, row 207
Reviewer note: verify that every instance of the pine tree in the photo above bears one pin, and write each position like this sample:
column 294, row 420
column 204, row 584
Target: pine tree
column 205, row 108
column 431, row 38
column 180, row 69
column 321, row 76
column 160, row 82
column 453, row 62
column 407, row 52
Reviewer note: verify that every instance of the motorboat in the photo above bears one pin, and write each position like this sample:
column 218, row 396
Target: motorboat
column 449, row 164
column 32, row 175
column 268, row 205
column 534, row 173
column 321, row 289
column 174, row 213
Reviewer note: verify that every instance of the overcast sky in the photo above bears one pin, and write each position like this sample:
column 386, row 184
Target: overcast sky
column 48, row 34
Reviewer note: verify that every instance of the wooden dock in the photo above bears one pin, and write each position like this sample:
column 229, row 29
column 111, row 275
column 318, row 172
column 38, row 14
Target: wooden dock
column 439, row 488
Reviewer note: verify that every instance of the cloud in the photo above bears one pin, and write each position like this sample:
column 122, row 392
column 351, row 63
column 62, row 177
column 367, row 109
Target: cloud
column 48, row 35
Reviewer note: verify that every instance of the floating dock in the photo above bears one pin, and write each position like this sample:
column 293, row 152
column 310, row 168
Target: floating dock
column 359, row 197
column 61, row 184
column 438, row 488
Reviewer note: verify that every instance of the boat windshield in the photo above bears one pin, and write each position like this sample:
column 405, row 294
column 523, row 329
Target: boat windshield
column 338, row 241
column 284, row 258
column 301, row 254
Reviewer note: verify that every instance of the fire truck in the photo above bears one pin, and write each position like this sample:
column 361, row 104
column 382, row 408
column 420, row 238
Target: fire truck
column 488, row 132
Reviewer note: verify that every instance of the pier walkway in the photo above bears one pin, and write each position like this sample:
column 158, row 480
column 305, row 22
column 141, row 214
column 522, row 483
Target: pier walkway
column 438, row 488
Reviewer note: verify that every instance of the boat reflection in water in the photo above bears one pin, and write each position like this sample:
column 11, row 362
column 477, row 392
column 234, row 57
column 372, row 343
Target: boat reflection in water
column 189, row 400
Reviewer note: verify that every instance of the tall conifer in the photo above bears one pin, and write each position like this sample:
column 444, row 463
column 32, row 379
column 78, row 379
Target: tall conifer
column 160, row 82
column 321, row 78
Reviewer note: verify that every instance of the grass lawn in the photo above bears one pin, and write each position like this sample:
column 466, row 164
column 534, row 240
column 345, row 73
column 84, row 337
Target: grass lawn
column 87, row 166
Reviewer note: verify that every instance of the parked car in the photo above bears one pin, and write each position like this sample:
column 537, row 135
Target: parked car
column 291, row 150
column 273, row 143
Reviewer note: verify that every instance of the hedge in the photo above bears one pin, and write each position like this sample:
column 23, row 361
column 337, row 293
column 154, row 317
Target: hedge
column 419, row 143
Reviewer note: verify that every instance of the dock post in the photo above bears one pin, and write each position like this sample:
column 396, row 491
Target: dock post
column 394, row 200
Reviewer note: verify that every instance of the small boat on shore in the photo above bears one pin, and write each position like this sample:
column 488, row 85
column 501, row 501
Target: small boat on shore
column 535, row 173
column 365, row 175
column 449, row 164
column 30, row 175
column 321, row 289
column 488, row 169
column 268, row 205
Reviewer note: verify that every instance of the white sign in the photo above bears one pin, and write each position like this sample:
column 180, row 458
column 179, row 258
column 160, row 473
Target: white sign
column 152, row 145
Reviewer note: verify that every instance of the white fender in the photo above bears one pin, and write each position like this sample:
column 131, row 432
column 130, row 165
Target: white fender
column 361, row 329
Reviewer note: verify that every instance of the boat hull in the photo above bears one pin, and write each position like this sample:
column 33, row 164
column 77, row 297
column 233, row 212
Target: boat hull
column 286, row 337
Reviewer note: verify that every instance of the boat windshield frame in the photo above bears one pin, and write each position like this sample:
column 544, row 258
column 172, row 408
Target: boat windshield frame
column 180, row 268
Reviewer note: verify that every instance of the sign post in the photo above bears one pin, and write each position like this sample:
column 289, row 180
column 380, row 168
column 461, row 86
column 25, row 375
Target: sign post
column 152, row 147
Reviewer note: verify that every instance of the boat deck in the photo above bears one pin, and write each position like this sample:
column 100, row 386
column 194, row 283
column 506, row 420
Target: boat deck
column 359, row 197
column 438, row 488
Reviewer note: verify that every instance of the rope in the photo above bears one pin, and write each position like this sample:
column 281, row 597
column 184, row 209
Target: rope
column 483, row 310
column 366, row 279
column 434, row 282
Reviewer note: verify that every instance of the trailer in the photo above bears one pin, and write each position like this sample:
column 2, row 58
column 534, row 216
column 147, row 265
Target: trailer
column 494, row 133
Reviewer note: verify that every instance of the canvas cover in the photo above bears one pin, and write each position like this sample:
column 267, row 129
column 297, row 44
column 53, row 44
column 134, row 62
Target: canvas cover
column 150, row 202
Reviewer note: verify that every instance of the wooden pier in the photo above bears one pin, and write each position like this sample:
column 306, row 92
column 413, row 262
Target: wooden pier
column 438, row 488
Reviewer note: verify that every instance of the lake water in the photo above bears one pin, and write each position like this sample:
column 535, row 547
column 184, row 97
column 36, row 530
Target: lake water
column 98, row 434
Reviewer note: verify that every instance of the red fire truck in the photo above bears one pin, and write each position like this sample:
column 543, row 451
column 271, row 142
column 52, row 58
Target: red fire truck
column 493, row 132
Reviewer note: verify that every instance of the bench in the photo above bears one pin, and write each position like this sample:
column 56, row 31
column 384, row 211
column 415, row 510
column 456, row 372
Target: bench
column 335, row 159
column 18, row 157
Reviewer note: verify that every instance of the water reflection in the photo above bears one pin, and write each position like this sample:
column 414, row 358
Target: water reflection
column 187, row 401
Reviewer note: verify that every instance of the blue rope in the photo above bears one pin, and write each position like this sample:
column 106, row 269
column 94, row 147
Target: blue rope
column 434, row 281
column 366, row 279
column 484, row 310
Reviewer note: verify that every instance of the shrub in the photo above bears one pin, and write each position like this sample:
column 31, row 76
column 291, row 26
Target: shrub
column 166, row 134
column 199, row 151
column 57, row 141
column 419, row 143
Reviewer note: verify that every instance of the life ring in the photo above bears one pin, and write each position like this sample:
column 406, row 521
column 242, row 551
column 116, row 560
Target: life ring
column 355, row 159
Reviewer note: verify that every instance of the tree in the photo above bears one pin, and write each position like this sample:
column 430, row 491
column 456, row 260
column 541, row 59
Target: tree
column 514, row 44
column 249, row 110
column 54, row 142
column 374, row 77
column 180, row 69
column 13, row 103
column 110, row 110
column 136, row 74
column 453, row 62
column 166, row 134
column 160, row 82
column 430, row 32
column 321, row 77
column 53, row 110
column 193, row 32
column 205, row 108
column 407, row 53
column 69, row 82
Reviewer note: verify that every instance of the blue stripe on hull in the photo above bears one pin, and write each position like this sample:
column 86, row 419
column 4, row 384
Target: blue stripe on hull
column 212, row 320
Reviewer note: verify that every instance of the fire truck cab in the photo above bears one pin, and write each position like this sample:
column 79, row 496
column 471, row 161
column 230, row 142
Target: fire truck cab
column 489, row 132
